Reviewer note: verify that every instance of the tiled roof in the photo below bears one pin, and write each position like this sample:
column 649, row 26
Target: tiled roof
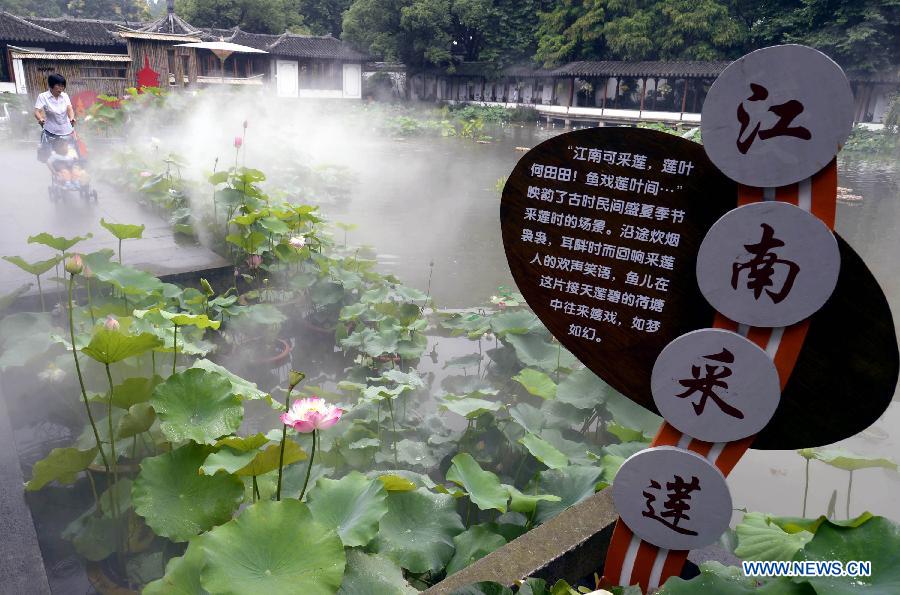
column 85, row 31
column 13, row 28
column 686, row 69
column 311, row 46
column 77, row 56
column 170, row 23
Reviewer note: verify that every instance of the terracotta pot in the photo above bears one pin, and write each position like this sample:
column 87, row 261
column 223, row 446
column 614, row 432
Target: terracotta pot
column 105, row 581
column 278, row 357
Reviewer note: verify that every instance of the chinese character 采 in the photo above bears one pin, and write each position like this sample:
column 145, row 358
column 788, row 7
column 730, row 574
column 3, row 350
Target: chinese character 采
column 708, row 384
column 786, row 113
column 761, row 267
column 678, row 492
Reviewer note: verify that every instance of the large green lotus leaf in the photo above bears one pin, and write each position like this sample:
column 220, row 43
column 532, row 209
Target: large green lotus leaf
column 130, row 281
column 182, row 573
column 181, row 318
column 267, row 460
column 416, row 454
column 123, row 231
column 369, row 574
column 526, row 503
column 470, row 407
column 629, row 414
column 418, row 530
column 472, row 324
column 514, row 322
column 139, row 418
column 227, row 460
column 243, row 443
column 352, row 505
column 849, row 461
column 572, row 484
column 197, row 405
column 412, row 348
column 57, row 242
column 760, row 539
column 239, row 386
column 717, row 579
column 94, row 536
column 111, row 346
column 583, row 389
column 877, row 540
column 130, row 392
column 528, row 416
column 616, row 454
column 472, row 544
column 177, row 501
column 35, row 268
column 62, row 465
column 274, row 548
column 537, row 383
column 544, row 451
column 798, row 524
column 483, row 486
column 25, row 336
column 533, row 350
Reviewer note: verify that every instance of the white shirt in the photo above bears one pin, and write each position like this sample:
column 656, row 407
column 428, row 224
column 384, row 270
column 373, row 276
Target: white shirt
column 55, row 112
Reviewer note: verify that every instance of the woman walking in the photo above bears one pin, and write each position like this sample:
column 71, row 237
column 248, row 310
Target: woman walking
column 53, row 111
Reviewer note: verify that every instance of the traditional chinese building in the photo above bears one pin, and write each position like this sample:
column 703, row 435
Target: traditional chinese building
column 109, row 56
column 660, row 91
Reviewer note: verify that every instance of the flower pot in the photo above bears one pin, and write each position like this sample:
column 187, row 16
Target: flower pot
column 271, row 354
column 106, row 581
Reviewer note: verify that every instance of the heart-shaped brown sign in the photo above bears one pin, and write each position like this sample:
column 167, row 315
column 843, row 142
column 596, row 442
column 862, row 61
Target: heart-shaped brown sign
column 601, row 229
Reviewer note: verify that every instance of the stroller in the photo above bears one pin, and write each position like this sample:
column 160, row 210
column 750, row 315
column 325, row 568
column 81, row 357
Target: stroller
column 66, row 159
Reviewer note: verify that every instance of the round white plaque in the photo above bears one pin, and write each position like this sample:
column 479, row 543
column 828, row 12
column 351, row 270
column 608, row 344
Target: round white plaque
column 777, row 115
column 672, row 498
column 715, row 385
column 768, row 264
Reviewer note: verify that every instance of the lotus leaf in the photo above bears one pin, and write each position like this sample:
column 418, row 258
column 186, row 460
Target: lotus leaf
column 572, row 484
column 797, row 524
column 415, row 454
column 472, row 544
column 629, row 414
column 182, row 318
column 396, row 483
column 23, row 337
column 227, row 460
column 473, row 324
column 528, row 416
column 62, row 465
column 260, row 552
column 533, row 350
column 126, row 279
column 35, row 268
column 544, row 451
column 413, row 347
column 130, row 392
column 537, row 383
column 515, row 322
column 761, row 539
column 483, row 486
column 123, row 231
column 111, row 346
column 94, row 536
column 267, row 460
column 876, row 540
column 583, row 389
column 139, row 418
column 249, row 243
column 244, row 443
column 352, row 506
column 177, row 501
column 464, row 361
column 57, row 242
column 526, row 503
column 418, row 530
column 182, row 574
column 239, row 386
column 369, row 574
column 717, row 579
column 197, row 405
column 849, row 461
column 470, row 408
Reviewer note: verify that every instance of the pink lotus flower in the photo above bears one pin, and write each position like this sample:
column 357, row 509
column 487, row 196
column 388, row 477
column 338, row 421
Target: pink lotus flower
column 111, row 323
column 238, row 141
column 87, row 272
column 74, row 265
column 254, row 260
column 313, row 413
column 146, row 174
column 297, row 242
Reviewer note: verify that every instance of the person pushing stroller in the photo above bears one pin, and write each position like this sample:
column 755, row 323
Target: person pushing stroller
column 53, row 110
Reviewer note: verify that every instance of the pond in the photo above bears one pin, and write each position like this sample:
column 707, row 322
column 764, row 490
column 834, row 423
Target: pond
column 488, row 379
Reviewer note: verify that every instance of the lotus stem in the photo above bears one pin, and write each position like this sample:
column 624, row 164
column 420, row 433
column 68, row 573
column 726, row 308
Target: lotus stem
column 81, row 380
column 849, row 487
column 287, row 406
column 120, row 250
column 174, row 348
column 90, row 301
column 113, row 495
column 806, row 488
column 41, row 292
column 312, row 456
column 256, row 495
column 394, row 431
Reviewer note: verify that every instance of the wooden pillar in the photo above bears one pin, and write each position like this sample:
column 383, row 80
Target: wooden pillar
column 483, row 83
column 605, row 92
column 616, row 96
column 643, row 93
column 572, row 91
column 684, row 96
column 655, row 92
column 694, row 100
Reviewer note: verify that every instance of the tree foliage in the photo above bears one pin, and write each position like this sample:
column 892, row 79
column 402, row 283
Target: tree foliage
column 258, row 16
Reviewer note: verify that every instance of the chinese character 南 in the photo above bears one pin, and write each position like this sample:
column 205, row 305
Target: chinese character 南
column 786, row 113
column 707, row 385
column 761, row 267
column 678, row 492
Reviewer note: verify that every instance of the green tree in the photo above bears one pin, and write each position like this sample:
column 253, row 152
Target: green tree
column 257, row 16
column 860, row 35
column 322, row 17
column 116, row 10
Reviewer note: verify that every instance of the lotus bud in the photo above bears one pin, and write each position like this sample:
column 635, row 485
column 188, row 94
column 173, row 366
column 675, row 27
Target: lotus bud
column 207, row 288
column 254, row 260
column 295, row 378
column 238, row 141
column 87, row 272
column 111, row 324
column 74, row 265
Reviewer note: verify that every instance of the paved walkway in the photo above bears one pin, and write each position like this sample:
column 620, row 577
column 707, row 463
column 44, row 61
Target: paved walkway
column 26, row 210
